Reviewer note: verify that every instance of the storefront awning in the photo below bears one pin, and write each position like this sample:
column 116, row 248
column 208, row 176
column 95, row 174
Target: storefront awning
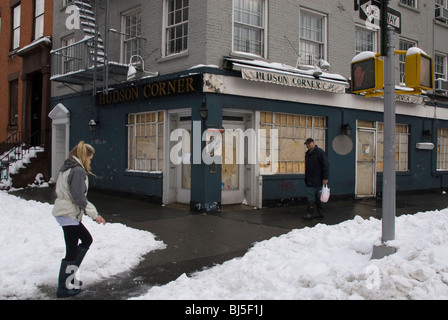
column 281, row 74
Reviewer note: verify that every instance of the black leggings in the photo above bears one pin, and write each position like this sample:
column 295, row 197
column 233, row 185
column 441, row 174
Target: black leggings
column 71, row 235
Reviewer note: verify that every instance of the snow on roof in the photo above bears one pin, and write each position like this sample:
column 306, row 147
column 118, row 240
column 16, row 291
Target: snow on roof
column 35, row 43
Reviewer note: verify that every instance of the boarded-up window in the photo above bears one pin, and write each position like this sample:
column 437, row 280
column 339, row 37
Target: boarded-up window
column 145, row 134
column 293, row 130
column 442, row 149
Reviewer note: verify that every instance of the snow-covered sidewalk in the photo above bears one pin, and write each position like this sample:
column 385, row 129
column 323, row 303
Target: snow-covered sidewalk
column 323, row 262
column 32, row 246
column 330, row 262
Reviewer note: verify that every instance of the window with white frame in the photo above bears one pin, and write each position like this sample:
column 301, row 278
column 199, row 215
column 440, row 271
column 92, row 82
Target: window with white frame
column 132, row 31
column 440, row 66
column 401, row 147
column 365, row 39
column 442, row 149
column 293, row 130
column 249, row 26
column 442, row 3
column 176, row 33
column 312, row 37
column 39, row 10
column 145, row 141
column 68, row 53
column 410, row 3
column 16, row 13
column 404, row 45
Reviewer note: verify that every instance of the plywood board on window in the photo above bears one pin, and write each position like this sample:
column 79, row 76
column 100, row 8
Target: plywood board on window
column 146, row 147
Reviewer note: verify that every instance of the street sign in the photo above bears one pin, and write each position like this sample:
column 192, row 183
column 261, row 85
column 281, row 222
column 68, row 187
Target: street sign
column 370, row 11
column 359, row 3
column 371, row 14
column 394, row 19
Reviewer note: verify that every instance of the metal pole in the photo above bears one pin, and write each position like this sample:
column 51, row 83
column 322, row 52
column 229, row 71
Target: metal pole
column 389, row 186
column 95, row 69
column 389, row 180
column 106, row 49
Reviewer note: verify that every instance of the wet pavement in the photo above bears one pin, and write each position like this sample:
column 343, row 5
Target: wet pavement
column 199, row 241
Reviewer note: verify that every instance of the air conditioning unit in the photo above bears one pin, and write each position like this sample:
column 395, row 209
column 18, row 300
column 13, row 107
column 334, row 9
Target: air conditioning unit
column 441, row 85
column 442, row 14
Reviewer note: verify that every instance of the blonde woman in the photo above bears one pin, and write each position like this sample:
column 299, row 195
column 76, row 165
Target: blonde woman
column 70, row 205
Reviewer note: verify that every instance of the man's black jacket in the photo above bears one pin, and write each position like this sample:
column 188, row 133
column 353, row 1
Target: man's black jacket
column 316, row 167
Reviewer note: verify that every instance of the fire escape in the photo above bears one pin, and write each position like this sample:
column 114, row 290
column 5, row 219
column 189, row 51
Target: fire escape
column 86, row 61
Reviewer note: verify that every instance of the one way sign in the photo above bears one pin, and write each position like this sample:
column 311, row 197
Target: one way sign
column 394, row 19
column 369, row 10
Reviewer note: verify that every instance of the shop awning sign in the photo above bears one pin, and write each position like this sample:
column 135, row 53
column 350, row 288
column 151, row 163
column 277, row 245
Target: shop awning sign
column 287, row 79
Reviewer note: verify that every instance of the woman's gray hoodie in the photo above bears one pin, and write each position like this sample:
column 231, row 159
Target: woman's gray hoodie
column 71, row 192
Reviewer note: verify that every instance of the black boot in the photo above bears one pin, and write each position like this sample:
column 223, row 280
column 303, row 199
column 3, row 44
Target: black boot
column 309, row 213
column 66, row 270
column 320, row 209
column 80, row 254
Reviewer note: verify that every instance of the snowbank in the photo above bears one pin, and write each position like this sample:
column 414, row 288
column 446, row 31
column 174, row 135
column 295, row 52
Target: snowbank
column 32, row 246
column 330, row 262
column 323, row 262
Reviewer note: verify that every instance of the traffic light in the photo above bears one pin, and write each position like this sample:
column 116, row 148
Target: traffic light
column 418, row 70
column 367, row 75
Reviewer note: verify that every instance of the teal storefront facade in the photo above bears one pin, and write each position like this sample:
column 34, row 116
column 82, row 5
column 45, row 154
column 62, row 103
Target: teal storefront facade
column 153, row 137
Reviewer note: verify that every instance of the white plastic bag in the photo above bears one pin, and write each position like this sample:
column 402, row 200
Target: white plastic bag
column 325, row 194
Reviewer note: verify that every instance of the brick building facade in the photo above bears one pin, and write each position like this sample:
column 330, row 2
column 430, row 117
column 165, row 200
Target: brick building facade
column 26, row 30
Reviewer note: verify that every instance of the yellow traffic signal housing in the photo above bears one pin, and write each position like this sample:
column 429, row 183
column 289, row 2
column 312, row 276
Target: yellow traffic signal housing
column 367, row 75
column 418, row 71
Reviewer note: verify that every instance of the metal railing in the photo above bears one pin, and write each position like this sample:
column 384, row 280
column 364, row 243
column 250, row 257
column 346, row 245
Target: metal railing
column 19, row 150
column 76, row 57
column 12, row 141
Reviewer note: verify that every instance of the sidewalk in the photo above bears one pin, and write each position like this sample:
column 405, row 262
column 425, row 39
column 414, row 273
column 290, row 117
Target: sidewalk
column 198, row 241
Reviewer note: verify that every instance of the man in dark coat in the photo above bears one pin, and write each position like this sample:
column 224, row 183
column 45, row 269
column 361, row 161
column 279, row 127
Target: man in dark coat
column 316, row 175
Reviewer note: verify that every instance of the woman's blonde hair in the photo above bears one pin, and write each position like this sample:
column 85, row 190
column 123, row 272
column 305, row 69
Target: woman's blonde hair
column 82, row 151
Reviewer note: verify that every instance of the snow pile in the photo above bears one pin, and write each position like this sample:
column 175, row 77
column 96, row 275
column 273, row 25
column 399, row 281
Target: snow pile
column 330, row 262
column 32, row 246
column 323, row 262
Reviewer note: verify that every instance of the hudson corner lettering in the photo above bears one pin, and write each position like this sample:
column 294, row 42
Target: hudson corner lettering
column 149, row 90
column 235, row 310
column 292, row 81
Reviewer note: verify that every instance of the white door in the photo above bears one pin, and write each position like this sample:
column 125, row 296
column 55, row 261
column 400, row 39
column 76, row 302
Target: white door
column 366, row 163
column 60, row 138
column 183, row 170
column 177, row 176
column 61, row 148
column 232, row 168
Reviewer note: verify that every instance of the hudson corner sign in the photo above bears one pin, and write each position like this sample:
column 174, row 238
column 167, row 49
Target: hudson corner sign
column 151, row 90
column 292, row 80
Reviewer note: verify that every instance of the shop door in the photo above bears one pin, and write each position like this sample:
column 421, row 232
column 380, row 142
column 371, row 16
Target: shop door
column 183, row 170
column 366, row 164
column 232, row 170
